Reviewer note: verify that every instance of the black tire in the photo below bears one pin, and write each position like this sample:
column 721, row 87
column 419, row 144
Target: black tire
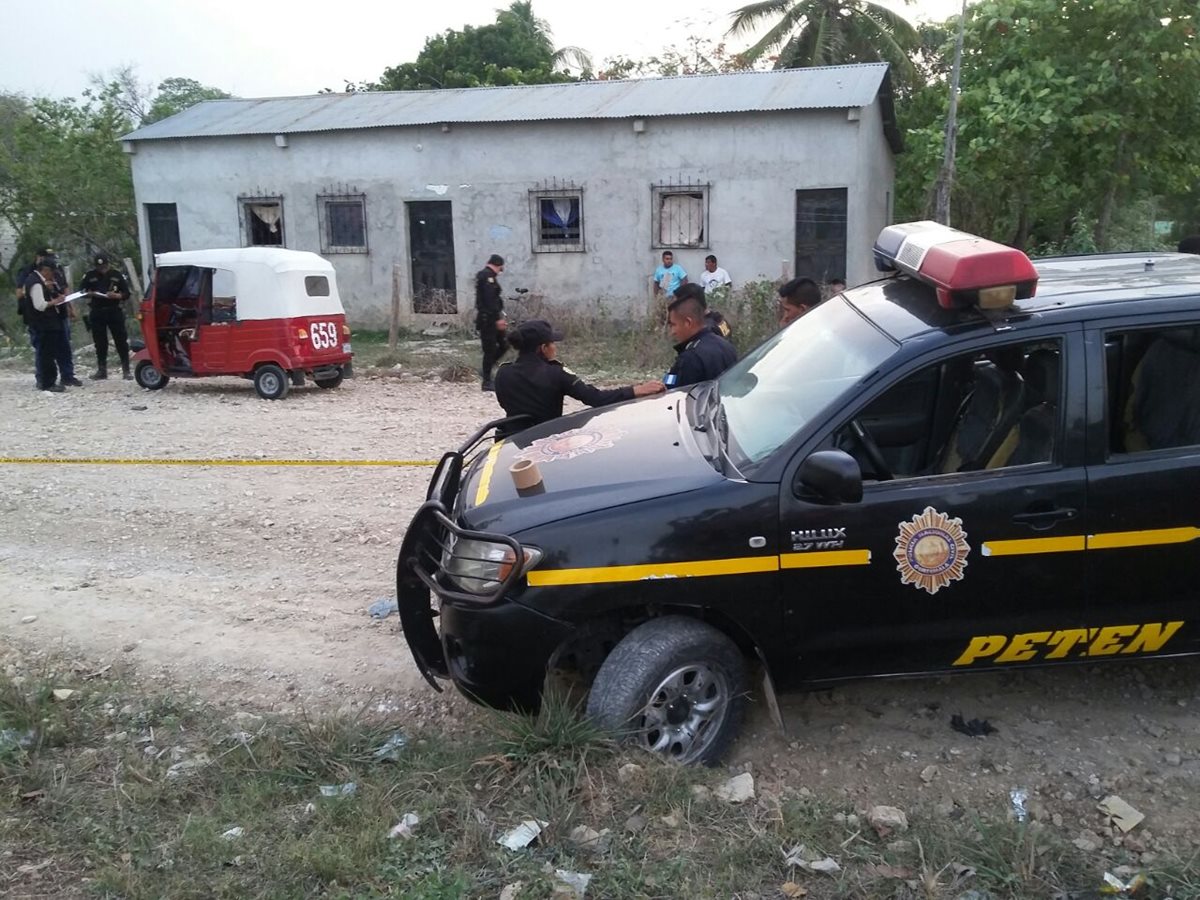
column 643, row 687
column 271, row 382
column 330, row 383
column 149, row 377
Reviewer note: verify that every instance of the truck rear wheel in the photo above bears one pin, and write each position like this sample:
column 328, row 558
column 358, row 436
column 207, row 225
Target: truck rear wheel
column 271, row 382
column 675, row 686
column 149, row 377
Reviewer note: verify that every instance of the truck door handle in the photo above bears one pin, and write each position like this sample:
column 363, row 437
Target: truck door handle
column 1047, row 518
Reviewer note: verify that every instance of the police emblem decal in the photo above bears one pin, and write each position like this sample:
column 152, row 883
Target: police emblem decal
column 931, row 551
column 570, row 444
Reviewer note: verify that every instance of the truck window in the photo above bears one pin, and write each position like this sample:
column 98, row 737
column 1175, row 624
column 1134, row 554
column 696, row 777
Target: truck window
column 1153, row 384
column 985, row 410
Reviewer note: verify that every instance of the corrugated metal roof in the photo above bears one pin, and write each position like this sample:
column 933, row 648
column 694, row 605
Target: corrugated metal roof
column 814, row 88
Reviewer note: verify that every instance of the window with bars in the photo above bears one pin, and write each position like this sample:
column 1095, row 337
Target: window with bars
column 343, row 222
column 556, row 220
column 262, row 221
column 679, row 215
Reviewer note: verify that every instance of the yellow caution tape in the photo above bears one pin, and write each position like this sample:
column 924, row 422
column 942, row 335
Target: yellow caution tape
column 118, row 461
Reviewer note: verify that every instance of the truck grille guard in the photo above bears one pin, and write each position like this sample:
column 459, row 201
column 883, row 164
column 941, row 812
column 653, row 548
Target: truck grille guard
column 431, row 536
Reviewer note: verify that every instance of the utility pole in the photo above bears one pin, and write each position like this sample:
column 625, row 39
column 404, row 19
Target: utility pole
column 945, row 179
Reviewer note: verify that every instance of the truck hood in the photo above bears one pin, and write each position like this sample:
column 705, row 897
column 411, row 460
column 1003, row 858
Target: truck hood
column 591, row 460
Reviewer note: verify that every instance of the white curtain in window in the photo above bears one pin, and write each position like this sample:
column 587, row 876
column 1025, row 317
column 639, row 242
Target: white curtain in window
column 562, row 209
column 268, row 214
column 681, row 219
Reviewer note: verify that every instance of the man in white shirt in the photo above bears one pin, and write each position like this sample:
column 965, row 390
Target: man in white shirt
column 714, row 277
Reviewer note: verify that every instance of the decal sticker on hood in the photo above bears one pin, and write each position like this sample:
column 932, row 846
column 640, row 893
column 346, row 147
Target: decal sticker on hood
column 570, row 444
column 931, row 551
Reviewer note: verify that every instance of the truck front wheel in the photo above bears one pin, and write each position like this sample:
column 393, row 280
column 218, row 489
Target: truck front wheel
column 675, row 686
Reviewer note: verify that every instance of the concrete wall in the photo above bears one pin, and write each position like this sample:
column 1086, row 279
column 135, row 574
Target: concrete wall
column 754, row 163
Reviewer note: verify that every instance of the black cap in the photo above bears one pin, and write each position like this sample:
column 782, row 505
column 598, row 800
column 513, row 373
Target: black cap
column 536, row 332
column 49, row 259
column 495, row 260
column 46, row 251
column 100, row 260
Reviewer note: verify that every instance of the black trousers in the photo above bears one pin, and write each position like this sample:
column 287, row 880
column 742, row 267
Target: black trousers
column 106, row 319
column 53, row 346
column 492, row 341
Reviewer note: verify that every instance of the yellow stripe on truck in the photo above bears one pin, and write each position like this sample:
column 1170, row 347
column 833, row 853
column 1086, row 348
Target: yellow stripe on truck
column 1025, row 546
column 651, row 571
column 750, row 565
column 823, row 558
column 485, row 476
column 1119, row 539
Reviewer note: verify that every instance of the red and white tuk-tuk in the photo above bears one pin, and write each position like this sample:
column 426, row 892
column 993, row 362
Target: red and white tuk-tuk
column 264, row 313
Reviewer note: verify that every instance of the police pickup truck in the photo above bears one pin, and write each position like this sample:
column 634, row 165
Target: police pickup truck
column 974, row 463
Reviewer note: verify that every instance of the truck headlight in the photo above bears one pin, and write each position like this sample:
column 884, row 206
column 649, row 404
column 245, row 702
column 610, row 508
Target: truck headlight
column 479, row 567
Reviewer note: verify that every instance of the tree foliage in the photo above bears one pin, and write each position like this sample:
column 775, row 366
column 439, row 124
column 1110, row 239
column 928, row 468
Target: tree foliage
column 828, row 32
column 64, row 180
column 174, row 95
column 517, row 48
column 1070, row 112
column 699, row 56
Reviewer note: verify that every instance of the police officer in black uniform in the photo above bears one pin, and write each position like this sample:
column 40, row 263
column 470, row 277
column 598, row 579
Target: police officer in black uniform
column 535, row 384
column 108, row 290
column 489, row 317
column 702, row 354
column 27, row 313
column 46, row 316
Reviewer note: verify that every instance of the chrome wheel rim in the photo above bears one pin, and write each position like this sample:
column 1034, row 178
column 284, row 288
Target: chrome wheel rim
column 150, row 376
column 685, row 713
column 269, row 382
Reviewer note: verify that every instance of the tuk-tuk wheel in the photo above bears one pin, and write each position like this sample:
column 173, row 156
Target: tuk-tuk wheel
column 271, row 382
column 331, row 382
column 149, row 377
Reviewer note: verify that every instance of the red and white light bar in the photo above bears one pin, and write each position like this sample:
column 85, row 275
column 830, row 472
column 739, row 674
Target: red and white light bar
column 965, row 270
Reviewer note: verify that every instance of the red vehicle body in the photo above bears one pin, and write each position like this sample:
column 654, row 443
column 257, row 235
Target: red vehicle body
column 267, row 314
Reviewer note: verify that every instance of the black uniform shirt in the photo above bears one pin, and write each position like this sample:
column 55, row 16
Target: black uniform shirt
column 535, row 387
column 105, row 283
column 702, row 358
column 488, row 304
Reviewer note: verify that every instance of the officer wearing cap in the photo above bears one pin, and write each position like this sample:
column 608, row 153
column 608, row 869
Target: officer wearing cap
column 701, row 353
column 489, row 317
column 108, row 290
column 46, row 314
column 535, row 384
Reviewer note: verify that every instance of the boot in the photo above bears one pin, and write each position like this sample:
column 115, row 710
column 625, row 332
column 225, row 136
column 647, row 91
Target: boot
column 100, row 374
column 125, row 373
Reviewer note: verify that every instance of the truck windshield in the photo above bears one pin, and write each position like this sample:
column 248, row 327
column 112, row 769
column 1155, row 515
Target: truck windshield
column 787, row 381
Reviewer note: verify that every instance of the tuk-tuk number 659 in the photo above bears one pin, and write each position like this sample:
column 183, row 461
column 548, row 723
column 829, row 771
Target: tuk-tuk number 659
column 324, row 335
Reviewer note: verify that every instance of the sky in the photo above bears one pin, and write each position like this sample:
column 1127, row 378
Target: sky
column 261, row 48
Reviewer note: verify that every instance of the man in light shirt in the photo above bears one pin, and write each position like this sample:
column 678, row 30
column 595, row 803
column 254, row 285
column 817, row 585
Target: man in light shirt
column 714, row 277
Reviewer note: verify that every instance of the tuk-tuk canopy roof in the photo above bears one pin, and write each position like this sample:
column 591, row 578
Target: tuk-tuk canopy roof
column 274, row 258
column 270, row 282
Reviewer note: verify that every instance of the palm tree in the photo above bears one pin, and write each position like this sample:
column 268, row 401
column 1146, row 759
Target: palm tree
column 828, row 32
column 538, row 30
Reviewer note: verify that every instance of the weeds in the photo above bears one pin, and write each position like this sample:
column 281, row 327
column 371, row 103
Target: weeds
column 87, row 807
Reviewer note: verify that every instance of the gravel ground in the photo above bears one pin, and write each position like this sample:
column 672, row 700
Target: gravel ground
column 251, row 585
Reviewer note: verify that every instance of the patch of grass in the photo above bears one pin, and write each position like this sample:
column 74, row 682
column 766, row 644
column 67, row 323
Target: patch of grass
column 87, row 808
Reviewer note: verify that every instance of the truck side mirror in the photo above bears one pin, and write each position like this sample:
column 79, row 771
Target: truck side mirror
column 829, row 476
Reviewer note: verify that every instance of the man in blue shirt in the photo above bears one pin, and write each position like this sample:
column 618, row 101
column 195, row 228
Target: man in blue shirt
column 669, row 277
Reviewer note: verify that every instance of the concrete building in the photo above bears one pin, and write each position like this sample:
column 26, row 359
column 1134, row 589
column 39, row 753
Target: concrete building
column 579, row 186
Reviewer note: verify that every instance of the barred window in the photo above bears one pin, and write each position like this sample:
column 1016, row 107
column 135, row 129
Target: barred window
column 679, row 215
column 261, row 220
column 343, row 221
column 556, row 220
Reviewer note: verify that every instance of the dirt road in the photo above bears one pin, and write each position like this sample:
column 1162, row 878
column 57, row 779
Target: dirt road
column 252, row 584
